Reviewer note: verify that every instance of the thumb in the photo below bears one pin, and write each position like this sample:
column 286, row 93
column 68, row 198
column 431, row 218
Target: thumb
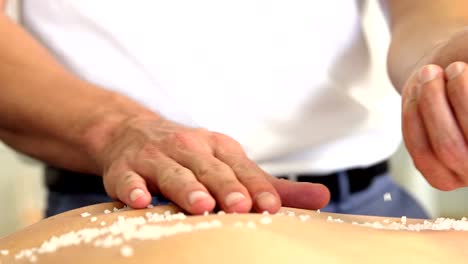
column 302, row 195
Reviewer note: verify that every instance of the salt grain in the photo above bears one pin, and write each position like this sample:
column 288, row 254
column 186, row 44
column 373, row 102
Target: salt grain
column 265, row 220
column 85, row 214
column 123, row 229
column 304, row 217
column 93, row 219
column 403, row 219
column 4, row 252
column 103, row 223
column 126, row 251
column 387, row 197
column 107, row 211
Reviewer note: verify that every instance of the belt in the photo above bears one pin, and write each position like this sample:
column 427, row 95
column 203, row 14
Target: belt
column 358, row 179
column 60, row 180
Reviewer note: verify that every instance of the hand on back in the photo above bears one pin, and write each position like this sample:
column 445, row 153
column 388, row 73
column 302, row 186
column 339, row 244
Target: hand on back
column 195, row 168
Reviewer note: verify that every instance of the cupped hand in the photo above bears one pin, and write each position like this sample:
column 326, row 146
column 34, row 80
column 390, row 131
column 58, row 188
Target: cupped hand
column 196, row 169
column 435, row 115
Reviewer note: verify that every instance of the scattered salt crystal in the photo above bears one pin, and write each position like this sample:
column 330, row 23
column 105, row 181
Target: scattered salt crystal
column 4, row 252
column 126, row 251
column 265, row 213
column 107, row 211
column 304, row 217
column 115, row 209
column 150, row 206
column 265, row 220
column 221, row 212
column 85, row 214
column 291, row 213
column 206, row 213
column 93, row 219
column 336, row 220
column 387, row 197
column 318, row 211
column 386, row 221
column 403, row 219
column 103, row 223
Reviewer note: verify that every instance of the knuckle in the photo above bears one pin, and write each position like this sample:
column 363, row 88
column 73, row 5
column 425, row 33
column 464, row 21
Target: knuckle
column 182, row 140
column 176, row 171
column 149, row 151
column 210, row 170
column 241, row 168
column 228, row 184
column 257, row 182
column 224, row 140
column 172, row 176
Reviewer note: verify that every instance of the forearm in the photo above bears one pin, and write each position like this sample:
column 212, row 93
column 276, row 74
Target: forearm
column 47, row 112
column 417, row 27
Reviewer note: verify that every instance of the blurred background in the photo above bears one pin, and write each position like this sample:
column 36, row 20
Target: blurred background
column 22, row 194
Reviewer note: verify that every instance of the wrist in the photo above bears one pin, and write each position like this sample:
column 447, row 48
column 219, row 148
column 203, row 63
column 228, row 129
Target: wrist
column 101, row 129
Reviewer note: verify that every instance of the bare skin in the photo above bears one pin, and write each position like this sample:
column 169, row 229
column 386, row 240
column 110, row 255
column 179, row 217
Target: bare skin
column 285, row 239
column 434, row 97
column 83, row 127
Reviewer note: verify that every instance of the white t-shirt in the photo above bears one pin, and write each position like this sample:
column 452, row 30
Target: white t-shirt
column 290, row 80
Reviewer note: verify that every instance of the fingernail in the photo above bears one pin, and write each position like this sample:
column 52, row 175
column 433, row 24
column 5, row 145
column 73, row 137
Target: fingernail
column 454, row 69
column 266, row 200
column 233, row 198
column 196, row 196
column 428, row 73
column 135, row 194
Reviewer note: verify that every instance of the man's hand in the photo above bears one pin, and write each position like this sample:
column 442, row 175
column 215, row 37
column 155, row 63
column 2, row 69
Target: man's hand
column 435, row 114
column 426, row 63
column 48, row 113
column 196, row 169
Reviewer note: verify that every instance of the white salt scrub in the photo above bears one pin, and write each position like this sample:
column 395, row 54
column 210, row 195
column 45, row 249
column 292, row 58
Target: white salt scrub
column 116, row 234
column 85, row 214
column 387, row 197
column 265, row 220
column 126, row 251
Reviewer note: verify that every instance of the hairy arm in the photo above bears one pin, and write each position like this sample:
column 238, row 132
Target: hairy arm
column 47, row 112
column 417, row 27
